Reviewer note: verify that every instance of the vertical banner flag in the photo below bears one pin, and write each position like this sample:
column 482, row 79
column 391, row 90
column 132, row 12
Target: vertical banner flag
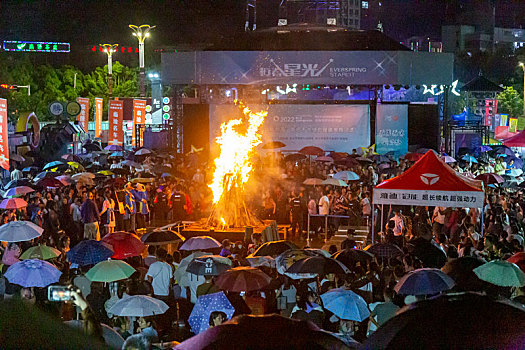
column 4, row 147
column 115, row 132
column 513, row 124
column 83, row 116
column 504, row 118
column 98, row 116
column 139, row 116
column 392, row 128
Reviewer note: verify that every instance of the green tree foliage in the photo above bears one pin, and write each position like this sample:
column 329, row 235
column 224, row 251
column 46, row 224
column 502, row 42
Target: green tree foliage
column 510, row 102
column 64, row 83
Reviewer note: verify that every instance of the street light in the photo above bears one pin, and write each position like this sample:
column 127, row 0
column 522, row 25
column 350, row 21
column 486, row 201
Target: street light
column 109, row 49
column 523, row 68
column 141, row 32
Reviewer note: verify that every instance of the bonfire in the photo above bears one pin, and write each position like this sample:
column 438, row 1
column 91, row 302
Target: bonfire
column 233, row 168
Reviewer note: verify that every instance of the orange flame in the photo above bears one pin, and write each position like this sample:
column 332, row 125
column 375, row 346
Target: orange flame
column 233, row 165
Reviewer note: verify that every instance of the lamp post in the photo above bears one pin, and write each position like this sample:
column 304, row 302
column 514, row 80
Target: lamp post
column 109, row 49
column 141, row 32
column 523, row 68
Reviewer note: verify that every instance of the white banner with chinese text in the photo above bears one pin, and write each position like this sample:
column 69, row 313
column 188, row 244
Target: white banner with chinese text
column 459, row 199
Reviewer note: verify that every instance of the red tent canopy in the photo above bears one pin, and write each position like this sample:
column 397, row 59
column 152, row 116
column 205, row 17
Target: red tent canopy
column 430, row 181
column 502, row 133
column 517, row 140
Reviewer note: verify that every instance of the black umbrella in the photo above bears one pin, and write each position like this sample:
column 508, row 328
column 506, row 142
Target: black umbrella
column 146, row 175
column 429, row 254
column 92, row 147
column 454, row 321
column 208, row 265
column 120, row 171
column 461, row 271
column 161, row 237
column 263, row 332
column 319, row 265
column 350, row 257
column 19, row 182
column 294, row 157
column 274, row 248
column 385, row 250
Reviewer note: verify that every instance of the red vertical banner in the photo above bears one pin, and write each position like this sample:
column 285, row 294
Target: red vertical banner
column 115, row 132
column 98, row 116
column 4, row 146
column 139, row 116
column 83, row 116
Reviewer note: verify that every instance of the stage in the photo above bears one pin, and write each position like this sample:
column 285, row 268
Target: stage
column 268, row 231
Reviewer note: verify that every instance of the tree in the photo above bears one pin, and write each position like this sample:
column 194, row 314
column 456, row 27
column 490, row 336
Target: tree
column 510, row 102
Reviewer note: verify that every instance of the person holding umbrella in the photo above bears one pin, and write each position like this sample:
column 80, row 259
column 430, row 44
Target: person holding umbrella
column 160, row 275
column 90, row 217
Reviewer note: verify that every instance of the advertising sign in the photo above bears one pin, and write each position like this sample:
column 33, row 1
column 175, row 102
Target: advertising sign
column 392, row 128
column 504, row 119
column 115, row 132
column 513, row 124
column 35, row 46
column 98, row 116
column 139, row 116
column 83, row 116
column 4, row 148
column 330, row 127
column 307, row 67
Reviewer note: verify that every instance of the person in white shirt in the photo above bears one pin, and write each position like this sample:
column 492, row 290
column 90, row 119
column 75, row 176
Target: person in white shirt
column 160, row 275
column 324, row 204
column 365, row 204
column 16, row 174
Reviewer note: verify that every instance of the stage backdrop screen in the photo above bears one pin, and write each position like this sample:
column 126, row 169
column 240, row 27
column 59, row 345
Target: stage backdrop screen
column 392, row 128
column 331, row 127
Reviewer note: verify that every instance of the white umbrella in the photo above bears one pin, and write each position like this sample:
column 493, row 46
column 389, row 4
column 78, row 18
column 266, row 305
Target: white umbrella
column 76, row 177
column 183, row 277
column 142, row 151
column 138, row 306
column 19, row 231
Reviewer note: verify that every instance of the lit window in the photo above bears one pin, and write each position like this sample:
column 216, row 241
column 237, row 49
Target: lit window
column 364, row 4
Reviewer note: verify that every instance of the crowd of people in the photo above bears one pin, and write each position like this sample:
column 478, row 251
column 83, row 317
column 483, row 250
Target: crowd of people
column 172, row 190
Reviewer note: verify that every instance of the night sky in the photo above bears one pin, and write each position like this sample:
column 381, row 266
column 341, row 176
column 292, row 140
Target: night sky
column 85, row 23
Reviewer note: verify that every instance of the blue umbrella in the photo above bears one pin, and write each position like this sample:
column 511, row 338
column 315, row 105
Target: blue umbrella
column 469, row 159
column 113, row 148
column 89, row 252
column 426, row 281
column 346, row 304
column 54, row 164
column 505, row 150
column 117, row 154
column 346, row 175
column 485, row 148
column 200, row 315
column 32, row 273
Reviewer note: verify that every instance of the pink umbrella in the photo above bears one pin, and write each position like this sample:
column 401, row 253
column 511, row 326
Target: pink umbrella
column 13, row 203
column 448, row 159
column 200, row 243
column 489, row 178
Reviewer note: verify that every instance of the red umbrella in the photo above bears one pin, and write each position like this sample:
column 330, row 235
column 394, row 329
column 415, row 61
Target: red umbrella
column 124, row 244
column 490, row 178
column 243, row 279
column 348, row 162
column 413, row 157
column 49, row 182
column 518, row 259
column 312, row 151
